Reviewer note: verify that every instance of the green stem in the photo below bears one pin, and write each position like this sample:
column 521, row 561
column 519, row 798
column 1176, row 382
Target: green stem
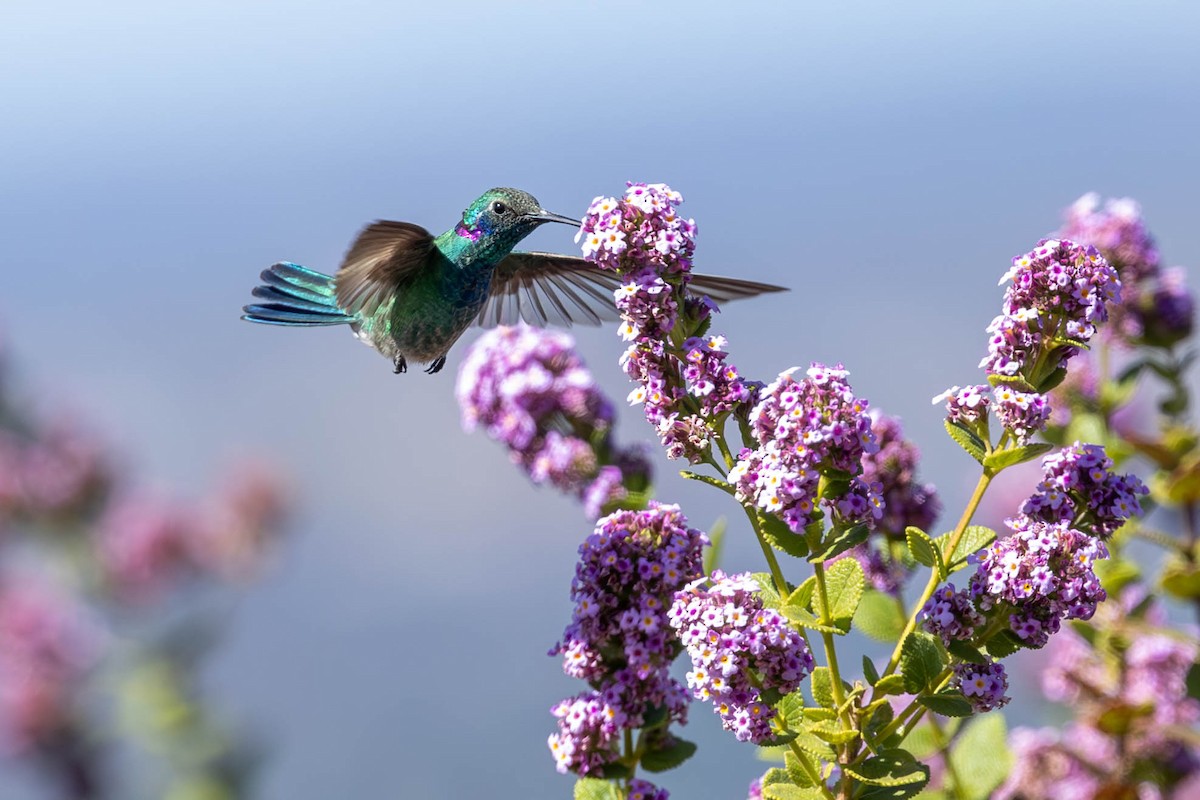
column 781, row 585
column 830, row 649
column 811, row 770
column 984, row 480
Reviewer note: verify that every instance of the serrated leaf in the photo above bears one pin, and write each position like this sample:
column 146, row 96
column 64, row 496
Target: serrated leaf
column 923, row 550
column 791, row 707
column 1016, row 381
column 597, row 789
column 667, row 758
column 818, row 713
column 727, row 488
column 890, row 684
column 822, row 687
column 880, row 718
column 948, row 704
column 981, row 757
column 844, row 584
column 890, row 768
column 832, row 732
column 869, row 672
column 814, row 746
column 974, row 538
column 775, row 775
column 840, row 542
column 803, row 595
column 1003, row 459
column 766, row 590
column 879, row 616
column 795, row 770
column 920, row 661
column 966, row 439
column 787, row 791
column 778, row 739
column 966, row 652
column 806, row 619
column 781, row 537
column 1003, row 644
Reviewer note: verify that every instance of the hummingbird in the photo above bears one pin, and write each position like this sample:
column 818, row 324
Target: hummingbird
column 411, row 295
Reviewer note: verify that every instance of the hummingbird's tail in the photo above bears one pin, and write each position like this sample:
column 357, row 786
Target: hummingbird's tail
column 296, row 295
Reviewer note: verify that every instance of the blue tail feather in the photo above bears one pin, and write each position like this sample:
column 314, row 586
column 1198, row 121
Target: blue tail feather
column 296, row 296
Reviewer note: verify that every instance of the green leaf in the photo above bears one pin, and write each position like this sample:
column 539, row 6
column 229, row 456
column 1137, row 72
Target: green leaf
column 890, row 684
column 822, row 687
column 1003, row 644
column 923, row 550
column 879, row 616
column 1181, row 579
column 948, row 704
column 791, row 709
column 869, row 671
column 967, row 439
column 806, row 619
column 814, row 746
column 966, row 652
column 890, row 768
column 778, row 738
column 844, row 584
column 879, row 719
column 980, row 756
column 667, row 758
column 766, row 590
column 832, row 732
column 781, row 537
column 795, row 770
column 597, row 789
column 1003, row 459
column 776, row 775
column 787, row 791
column 727, row 488
column 920, row 661
column 803, row 595
column 1017, row 381
column 840, row 542
column 973, row 539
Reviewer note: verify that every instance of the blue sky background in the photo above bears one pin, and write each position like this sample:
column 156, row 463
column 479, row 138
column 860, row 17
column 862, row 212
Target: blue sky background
column 885, row 160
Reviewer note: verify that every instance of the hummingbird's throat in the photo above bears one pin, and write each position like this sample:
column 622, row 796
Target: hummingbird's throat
column 465, row 232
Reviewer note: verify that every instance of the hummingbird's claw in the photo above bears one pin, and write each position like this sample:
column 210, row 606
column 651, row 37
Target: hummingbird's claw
column 436, row 366
column 399, row 365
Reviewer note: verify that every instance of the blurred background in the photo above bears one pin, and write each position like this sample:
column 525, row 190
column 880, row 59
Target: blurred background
column 883, row 160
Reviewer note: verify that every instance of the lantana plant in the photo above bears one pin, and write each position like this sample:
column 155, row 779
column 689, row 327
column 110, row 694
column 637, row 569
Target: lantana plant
column 828, row 488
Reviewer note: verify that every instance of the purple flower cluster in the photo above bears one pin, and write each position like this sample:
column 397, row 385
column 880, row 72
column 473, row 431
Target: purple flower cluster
column 57, row 472
column 1021, row 413
column 804, row 429
column 894, row 467
column 1044, row 573
column 619, row 638
column 951, row 615
column 967, row 406
column 1077, row 487
column 683, row 381
column 984, row 685
column 1166, row 313
column 45, row 647
column 1060, row 290
column 645, row 790
column 529, row 389
column 738, row 648
column 1132, row 710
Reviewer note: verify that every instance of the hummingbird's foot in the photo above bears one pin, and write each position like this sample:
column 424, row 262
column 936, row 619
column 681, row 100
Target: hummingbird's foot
column 436, row 366
column 399, row 365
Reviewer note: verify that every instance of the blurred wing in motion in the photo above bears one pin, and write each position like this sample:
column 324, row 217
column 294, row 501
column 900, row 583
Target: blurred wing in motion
column 383, row 256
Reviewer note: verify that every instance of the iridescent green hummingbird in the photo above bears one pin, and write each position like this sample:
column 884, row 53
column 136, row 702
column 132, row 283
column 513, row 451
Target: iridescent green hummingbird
column 411, row 295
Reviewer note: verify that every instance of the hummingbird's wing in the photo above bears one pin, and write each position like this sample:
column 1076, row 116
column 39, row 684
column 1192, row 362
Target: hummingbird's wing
column 552, row 289
column 383, row 257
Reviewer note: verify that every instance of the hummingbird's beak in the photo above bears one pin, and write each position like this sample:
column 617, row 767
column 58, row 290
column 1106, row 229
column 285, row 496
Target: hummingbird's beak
column 542, row 215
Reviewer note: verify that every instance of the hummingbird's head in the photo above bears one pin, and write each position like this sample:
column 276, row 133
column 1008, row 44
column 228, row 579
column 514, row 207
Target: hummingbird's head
column 499, row 218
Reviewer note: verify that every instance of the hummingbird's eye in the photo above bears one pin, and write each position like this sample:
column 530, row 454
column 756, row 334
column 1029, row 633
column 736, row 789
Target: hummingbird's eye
column 499, row 207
